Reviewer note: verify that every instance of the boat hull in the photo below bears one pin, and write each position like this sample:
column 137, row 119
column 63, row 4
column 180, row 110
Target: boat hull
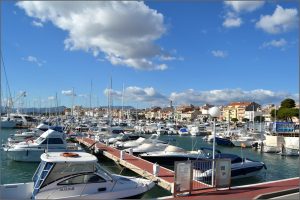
column 16, row 191
column 8, row 124
column 224, row 142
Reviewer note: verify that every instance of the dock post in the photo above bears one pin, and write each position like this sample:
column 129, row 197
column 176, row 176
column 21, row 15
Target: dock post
column 155, row 169
column 122, row 155
column 130, row 151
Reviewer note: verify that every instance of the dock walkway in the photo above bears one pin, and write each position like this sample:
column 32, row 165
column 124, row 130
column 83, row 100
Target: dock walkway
column 165, row 178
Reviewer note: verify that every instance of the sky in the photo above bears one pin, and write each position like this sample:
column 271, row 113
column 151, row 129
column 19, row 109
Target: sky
column 188, row 52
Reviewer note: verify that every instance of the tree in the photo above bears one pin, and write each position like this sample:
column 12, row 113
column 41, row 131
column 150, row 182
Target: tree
column 288, row 103
column 245, row 120
column 287, row 114
column 273, row 113
column 234, row 120
column 259, row 118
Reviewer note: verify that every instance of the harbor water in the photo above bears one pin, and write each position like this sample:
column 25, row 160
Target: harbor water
column 278, row 167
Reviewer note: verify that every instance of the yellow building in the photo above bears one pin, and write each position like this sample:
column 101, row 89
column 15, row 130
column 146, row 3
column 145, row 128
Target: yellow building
column 237, row 110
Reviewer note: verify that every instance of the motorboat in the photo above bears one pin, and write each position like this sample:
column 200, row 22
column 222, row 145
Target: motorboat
column 194, row 130
column 62, row 175
column 22, row 119
column 198, row 130
column 244, row 141
column 31, row 150
column 139, row 141
column 240, row 167
column 122, row 137
column 183, row 131
column 6, row 122
column 19, row 137
column 147, row 147
column 224, row 141
column 161, row 130
column 172, row 153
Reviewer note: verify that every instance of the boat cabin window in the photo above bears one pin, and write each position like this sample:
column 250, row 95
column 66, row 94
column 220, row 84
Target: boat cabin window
column 83, row 179
column 61, row 170
column 39, row 140
column 53, row 141
column 30, row 119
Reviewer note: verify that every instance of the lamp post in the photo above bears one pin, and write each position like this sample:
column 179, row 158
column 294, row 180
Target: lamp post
column 214, row 112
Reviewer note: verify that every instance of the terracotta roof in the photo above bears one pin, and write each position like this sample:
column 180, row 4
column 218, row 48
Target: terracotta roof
column 239, row 103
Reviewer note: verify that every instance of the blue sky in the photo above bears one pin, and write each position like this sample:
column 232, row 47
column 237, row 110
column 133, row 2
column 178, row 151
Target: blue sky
column 188, row 52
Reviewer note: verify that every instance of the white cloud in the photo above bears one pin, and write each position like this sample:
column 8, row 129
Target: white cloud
column 68, row 92
column 219, row 53
column 124, row 31
column 232, row 19
column 37, row 24
column 51, row 98
column 232, row 22
column 228, row 95
column 218, row 97
column 247, row 6
column 282, row 20
column 134, row 93
column 35, row 60
column 281, row 43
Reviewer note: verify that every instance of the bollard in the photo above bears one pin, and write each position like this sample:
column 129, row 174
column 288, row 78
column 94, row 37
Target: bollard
column 96, row 150
column 130, row 151
column 155, row 169
column 106, row 143
column 122, row 154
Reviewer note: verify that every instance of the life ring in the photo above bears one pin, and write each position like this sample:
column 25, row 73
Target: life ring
column 69, row 154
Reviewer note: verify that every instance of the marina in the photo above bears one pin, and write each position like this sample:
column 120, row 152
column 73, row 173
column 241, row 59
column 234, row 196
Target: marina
column 165, row 177
column 149, row 100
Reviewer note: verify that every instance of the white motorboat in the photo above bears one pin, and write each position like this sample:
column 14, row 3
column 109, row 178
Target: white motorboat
column 6, row 122
column 31, row 150
column 198, row 130
column 173, row 153
column 183, row 131
column 147, row 147
column 243, row 141
column 122, row 137
column 161, row 130
column 75, row 176
column 20, row 137
column 134, row 143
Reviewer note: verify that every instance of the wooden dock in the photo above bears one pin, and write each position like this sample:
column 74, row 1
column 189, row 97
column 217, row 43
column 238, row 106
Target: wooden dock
column 165, row 177
column 264, row 190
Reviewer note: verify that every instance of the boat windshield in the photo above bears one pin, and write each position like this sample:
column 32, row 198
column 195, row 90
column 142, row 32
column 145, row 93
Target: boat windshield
column 103, row 172
column 61, row 170
column 39, row 140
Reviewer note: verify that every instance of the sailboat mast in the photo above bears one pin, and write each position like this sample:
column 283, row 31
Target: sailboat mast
column 122, row 103
column 91, row 97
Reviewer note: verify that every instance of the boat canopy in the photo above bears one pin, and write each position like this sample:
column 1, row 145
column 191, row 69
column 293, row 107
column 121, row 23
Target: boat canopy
column 172, row 148
column 232, row 157
column 57, row 157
